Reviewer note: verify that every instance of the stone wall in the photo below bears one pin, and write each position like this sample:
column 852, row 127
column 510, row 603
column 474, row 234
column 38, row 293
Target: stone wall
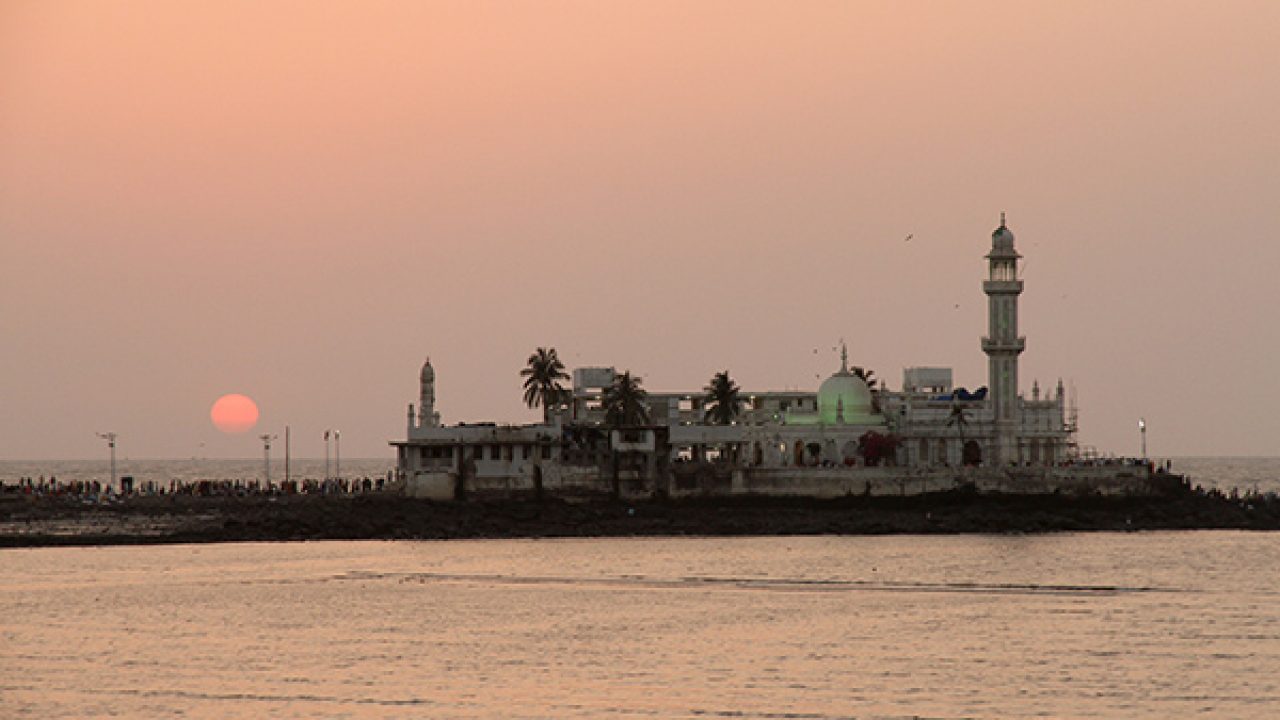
column 430, row 485
column 1073, row 480
column 709, row 479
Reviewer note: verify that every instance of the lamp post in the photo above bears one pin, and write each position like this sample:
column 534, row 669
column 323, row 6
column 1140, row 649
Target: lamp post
column 110, row 437
column 1142, row 430
column 266, row 459
column 326, row 454
column 337, row 454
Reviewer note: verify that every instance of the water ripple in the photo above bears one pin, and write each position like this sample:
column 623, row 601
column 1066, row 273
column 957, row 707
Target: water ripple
column 771, row 584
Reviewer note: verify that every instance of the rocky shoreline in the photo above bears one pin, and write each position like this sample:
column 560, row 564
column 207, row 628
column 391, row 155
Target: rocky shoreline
column 49, row 521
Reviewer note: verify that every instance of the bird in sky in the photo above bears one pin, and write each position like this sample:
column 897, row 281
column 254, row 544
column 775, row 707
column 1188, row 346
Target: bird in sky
column 909, row 237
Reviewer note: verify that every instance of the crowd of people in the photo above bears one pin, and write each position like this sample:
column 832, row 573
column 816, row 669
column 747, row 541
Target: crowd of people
column 96, row 490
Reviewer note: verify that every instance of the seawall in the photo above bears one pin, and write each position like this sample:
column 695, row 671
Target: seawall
column 27, row 521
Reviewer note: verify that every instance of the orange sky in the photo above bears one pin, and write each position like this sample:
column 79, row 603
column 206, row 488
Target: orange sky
column 298, row 201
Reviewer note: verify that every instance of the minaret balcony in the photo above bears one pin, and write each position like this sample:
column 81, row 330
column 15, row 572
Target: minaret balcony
column 1002, row 287
column 997, row 345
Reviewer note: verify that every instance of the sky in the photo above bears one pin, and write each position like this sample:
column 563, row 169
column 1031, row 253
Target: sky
column 300, row 201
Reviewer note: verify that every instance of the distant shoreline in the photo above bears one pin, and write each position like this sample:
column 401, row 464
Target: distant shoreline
column 46, row 522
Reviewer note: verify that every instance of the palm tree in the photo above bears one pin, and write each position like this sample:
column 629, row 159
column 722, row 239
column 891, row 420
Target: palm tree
column 542, row 378
column 723, row 403
column 866, row 375
column 624, row 402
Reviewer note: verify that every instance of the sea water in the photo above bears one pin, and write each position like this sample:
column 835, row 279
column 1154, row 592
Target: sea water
column 1139, row 625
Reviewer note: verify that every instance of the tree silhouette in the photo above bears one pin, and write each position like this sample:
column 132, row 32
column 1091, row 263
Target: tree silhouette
column 542, row 377
column 866, row 375
column 624, row 402
column 723, row 403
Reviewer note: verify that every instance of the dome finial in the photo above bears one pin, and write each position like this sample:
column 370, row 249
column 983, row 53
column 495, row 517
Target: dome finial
column 844, row 358
column 1002, row 219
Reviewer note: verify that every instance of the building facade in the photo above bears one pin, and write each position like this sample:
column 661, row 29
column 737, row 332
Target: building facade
column 930, row 424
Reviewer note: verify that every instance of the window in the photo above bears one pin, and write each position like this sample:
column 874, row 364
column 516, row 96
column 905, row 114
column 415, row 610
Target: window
column 546, row 452
column 524, row 452
column 494, row 451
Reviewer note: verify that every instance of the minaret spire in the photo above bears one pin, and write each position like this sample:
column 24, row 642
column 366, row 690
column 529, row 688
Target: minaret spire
column 1003, row 344
column 844, row 358
column 427, row 415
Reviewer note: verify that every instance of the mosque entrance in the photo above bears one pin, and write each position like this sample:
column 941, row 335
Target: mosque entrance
column 972, row 453
column 849, row 453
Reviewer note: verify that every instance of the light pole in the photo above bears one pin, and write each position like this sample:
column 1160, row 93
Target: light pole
column 110, row 437
column 337, row 454
column 1142, row 430
column 286, row 454
column 326, row 454
column 266, row 459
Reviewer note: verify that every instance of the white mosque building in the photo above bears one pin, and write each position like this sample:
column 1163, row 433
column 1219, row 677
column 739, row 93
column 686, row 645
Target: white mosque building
column 808, row 442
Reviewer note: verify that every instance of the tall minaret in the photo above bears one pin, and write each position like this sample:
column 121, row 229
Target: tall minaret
column 427, row 415
column 1002, row 343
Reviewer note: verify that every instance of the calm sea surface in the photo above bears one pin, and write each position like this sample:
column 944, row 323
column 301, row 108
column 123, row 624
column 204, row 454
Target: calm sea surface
column 1144, row 625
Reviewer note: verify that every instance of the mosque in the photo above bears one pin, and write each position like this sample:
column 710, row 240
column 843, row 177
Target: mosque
column 782, row 441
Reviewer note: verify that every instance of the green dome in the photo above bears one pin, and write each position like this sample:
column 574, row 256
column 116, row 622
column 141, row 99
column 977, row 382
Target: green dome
column 843, row 397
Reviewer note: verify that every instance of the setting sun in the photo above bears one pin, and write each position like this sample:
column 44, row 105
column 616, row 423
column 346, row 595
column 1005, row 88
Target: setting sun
column 234, row 413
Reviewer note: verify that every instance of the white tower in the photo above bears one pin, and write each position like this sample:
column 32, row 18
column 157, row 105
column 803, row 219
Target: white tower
column 1002, row 343
column 427, row 415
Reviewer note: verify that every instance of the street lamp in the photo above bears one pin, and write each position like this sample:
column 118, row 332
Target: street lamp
column 326, row 454
column 110, row 437
column 266, row 458
column 1142, row 429
column 337, row 454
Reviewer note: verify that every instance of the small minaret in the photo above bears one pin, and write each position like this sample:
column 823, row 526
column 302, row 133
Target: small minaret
column 1002, row 343
column 427, row 415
